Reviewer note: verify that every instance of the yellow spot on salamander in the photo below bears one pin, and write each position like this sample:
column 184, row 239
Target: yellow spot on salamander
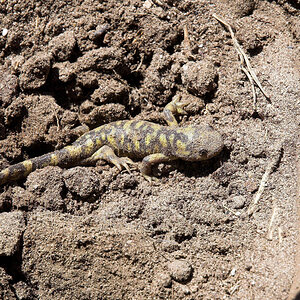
column 111, row 138
column 122, row 139
column 28, row 166
column 98, row 142
column 89, row 146
column 112, row 141
column 181, row 130
column 103, row 136
column 98, row 129
column 154, row 126
column 148, row 139
column 53, row 160
column 127, row 125
column 137, row 144
column 139, row 124
column 181, row 148
column 74, row 151
column 163, row 140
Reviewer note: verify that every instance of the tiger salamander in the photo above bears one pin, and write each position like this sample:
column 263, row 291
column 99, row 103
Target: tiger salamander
column 151, row 142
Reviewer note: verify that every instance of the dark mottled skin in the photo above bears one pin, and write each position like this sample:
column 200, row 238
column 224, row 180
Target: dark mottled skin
column 131, row 139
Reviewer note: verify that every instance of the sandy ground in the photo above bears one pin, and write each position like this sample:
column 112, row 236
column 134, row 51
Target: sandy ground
column 97, row 233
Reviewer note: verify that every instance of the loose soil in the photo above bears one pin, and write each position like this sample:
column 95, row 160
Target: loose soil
column 92, row 232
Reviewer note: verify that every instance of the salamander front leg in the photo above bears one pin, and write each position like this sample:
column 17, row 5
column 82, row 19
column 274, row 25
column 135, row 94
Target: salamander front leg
column 106, row 153
column 173, row 108
column 148, row 161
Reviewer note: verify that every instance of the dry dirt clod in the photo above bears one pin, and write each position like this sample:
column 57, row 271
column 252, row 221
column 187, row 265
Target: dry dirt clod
column 180, row 270
column 94, row 116
column 109, row 91
column 46, row 186
column 199, row 77
column 35, row 71
column 84, row 182
column 62, row 46
column 12, row 225
column 8, row 87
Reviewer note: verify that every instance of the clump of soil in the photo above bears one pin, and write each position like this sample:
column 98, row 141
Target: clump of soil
column 92, row 232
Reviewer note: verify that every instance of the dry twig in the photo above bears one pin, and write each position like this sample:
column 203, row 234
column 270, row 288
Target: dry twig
column 245, row 63
column 186, row 42
column 237, row 214
column 271, row 166
column 141, row 62
column 271, row 227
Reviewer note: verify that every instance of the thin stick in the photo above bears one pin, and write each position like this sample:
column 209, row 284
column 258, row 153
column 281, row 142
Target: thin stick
column 271, row 166
column 237, row 214
column 186, row 42
column 252, row 85
column 270, row 228
column 141, row 62
column 243, row 57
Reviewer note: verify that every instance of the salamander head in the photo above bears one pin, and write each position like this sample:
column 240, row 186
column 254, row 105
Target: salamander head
column 199, row 143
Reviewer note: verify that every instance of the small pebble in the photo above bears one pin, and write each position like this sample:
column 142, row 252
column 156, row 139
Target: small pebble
column 180, row 270
column 100, row 32
column 233, row 272
column 238, row 202
column 147, row 4
column 4, row 32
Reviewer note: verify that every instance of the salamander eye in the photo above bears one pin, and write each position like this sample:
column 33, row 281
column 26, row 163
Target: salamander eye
column 202, row 152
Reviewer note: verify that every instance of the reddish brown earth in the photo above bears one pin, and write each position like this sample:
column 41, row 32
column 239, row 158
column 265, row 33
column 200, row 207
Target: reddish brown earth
column 96, row 233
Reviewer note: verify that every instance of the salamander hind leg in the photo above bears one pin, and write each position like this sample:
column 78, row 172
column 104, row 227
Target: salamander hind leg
column 148, row 161
column 106, row 153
